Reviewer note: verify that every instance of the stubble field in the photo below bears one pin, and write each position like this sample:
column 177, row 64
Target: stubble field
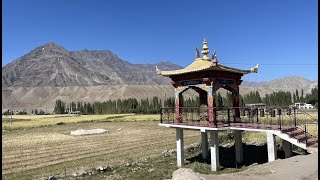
column 40, row 150
column 37, row 146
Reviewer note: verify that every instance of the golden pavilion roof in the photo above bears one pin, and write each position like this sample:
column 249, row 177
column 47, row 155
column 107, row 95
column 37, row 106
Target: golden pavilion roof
column 205, row 63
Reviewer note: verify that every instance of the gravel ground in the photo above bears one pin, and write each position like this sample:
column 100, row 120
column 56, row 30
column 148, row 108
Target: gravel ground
column 302, row 167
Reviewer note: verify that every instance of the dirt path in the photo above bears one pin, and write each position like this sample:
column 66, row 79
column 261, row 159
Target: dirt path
column 302, row 167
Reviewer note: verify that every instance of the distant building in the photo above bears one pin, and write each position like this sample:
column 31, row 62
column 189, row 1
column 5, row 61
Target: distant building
column 75, row 112
column 256, row 105
column 300, row 105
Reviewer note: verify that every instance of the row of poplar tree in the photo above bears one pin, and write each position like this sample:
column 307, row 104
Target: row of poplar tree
column 153, row 105
column 282, row 98
column 131, row 105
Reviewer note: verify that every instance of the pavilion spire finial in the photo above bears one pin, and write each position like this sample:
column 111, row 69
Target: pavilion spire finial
column 205, row 50
column 197, row 53
column 214, row 58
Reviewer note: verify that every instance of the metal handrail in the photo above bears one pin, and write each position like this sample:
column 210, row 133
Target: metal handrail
column 307, row 115
column 269, row 117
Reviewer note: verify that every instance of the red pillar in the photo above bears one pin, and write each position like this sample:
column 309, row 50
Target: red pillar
column 211, row 106
column 236, row 104
column 178, row 104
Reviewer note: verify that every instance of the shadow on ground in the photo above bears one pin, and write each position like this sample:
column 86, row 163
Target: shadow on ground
column 251, row 154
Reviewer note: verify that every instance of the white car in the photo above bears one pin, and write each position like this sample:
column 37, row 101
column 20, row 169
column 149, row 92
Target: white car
column 303, row 106
column 308, row 106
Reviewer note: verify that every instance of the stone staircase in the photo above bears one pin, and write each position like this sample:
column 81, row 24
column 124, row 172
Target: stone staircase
column 298, row 137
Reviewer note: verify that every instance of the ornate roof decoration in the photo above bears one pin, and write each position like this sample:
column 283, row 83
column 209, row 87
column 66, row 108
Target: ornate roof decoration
column 205, row 63
column 197, row 52
column 214, row 58
column 205, row 50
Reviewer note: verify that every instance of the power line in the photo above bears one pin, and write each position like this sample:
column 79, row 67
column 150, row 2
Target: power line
column 275, row 64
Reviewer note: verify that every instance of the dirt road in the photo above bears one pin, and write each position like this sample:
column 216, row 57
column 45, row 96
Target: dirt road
column 302, row 167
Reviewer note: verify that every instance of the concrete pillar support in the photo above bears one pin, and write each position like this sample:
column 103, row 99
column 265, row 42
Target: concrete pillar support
column 272, row 147
column 238, row 146
column 180, row 148
column 214, row 149
column 204, row 145
column 287, row 147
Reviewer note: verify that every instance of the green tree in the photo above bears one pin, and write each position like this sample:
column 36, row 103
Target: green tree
column 242, row 103
column 227, row 101
column 312, row 98
column 294, row 98
column 59, row 107
column 219, row 100
column 301, row 98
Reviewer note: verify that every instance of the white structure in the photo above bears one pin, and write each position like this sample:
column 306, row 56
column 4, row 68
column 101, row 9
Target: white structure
column 180, row 150
column 77, row 113
column 214, row 149
column 204, row 145
column 272, row 147
column 205, row 76
column 303, row 105
column 256, row 105
column 214, row 143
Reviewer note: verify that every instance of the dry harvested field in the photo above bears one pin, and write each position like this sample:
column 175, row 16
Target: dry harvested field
column 36, row 146
column 32, row 121
column 39, row 150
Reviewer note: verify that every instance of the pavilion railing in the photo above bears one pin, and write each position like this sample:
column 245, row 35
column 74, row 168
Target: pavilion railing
column 191, row 116
column 280, row 118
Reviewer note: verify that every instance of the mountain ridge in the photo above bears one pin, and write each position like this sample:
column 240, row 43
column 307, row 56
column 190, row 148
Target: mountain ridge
column 50, row 72
column 96, row 67
column 53, row 65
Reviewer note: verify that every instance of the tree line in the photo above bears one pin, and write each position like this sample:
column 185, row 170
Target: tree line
column 282, row 98
column 131, row 105
column 153, row 105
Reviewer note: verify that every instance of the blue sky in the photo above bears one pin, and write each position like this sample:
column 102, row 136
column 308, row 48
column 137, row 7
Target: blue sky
column 244, row 32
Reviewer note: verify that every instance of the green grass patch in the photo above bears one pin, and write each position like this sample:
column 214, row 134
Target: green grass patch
column 9, row 120
column 254, row 137
column 108, row 119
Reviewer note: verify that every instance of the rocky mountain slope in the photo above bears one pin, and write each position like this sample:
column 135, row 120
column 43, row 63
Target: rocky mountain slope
column 289, row 83
column 45, row 97
column 50, row 72
column 52, row 65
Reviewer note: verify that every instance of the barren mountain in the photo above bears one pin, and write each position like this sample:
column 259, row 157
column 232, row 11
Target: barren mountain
column 52, row 65
column 50, row 72
column 289, row 83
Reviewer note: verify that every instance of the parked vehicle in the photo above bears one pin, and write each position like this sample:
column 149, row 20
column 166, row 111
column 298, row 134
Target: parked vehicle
column 302, row 106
